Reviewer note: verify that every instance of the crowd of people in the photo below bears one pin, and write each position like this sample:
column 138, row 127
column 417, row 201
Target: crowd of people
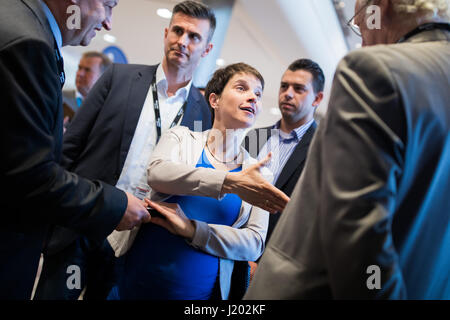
column 156, row 190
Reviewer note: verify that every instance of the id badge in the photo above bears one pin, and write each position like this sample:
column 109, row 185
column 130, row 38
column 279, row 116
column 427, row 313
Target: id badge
column 141, row 191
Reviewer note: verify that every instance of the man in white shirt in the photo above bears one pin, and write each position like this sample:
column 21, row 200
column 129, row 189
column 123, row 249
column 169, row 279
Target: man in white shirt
column 114, row 134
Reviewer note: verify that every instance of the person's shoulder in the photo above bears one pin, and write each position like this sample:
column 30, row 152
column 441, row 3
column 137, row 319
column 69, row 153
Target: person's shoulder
column 186, row 136
column 371, row 65
column 130, row 68
column 19, row 24
column 377, row 56
column 182, row 131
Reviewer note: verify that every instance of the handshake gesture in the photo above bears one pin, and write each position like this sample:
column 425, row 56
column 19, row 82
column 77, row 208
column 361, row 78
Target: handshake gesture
column 135, row 214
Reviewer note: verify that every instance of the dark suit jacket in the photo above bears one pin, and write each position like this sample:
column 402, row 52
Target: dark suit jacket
column 97, row 141
column 36, row 190
column 292, row 169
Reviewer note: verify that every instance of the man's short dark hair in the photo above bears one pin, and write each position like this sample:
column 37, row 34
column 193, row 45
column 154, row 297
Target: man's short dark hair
column 313, row 68
column 197, row 10
column 106, row 62
column 221, row 77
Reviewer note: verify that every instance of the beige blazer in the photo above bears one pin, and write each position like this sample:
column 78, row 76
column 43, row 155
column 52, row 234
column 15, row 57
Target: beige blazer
column 172, row 171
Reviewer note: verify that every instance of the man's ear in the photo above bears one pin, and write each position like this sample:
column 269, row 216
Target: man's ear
column 208, row 48
column 318, row 99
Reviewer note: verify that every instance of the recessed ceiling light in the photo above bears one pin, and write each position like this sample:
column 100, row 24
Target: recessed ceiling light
column 220, row 62
column 164, row 13
column 109, row 38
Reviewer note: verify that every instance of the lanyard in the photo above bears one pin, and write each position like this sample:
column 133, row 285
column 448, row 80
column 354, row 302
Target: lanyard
column 425, row 27
column 158, row 115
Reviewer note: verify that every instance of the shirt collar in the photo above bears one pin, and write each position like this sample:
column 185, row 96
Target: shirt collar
column 53, row 25
column 298, row 132
column 161, row 82
column 78, row 94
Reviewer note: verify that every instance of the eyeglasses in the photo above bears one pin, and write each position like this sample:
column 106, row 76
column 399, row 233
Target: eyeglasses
column 351, row 22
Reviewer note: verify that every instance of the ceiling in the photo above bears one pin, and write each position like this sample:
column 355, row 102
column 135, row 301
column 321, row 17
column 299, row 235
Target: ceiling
column 267, row 34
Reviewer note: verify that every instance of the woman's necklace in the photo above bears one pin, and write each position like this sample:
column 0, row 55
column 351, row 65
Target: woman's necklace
column 225, row 162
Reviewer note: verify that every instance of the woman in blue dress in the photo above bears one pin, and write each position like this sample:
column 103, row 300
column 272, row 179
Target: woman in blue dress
column 189, row 253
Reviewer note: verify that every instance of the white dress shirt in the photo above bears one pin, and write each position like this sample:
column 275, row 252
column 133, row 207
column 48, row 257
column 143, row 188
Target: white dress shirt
column 133, row 177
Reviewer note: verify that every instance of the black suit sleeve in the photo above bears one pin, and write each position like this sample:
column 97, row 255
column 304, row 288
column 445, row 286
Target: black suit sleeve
column 36, row 189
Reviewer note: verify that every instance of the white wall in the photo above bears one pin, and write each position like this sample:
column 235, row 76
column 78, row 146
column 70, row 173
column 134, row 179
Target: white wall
column 267, row 34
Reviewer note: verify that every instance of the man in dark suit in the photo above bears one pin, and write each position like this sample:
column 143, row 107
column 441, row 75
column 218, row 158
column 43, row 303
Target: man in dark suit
column 369, row 218
column 91, row 66
column 301, row 91
column 113, row 135
column 37, row 191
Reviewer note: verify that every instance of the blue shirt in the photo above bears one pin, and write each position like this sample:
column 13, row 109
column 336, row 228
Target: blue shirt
column 282, row 145
column 53, row 25
column 164, row 266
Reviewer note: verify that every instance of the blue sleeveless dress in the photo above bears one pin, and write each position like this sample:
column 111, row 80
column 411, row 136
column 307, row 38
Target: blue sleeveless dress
column 161, row 265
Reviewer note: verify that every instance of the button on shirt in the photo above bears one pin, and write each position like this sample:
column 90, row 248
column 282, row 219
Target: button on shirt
column 282, row 145
column 134, row 173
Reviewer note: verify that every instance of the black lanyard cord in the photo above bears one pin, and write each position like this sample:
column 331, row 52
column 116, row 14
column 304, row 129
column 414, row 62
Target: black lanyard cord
column 158, row 114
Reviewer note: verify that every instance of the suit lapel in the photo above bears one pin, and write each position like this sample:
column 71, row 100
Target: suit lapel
column 36, row 8
column 136, row 99
column 192, row 111
column 260, row 136
column 297, row 157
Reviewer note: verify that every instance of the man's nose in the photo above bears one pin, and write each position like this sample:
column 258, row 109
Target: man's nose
column 107, row 23
column 183, row 40
column 289, row 93
column 252, row 97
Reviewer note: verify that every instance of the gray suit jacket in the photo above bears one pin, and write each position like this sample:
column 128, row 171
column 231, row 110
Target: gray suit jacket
column 372, row 208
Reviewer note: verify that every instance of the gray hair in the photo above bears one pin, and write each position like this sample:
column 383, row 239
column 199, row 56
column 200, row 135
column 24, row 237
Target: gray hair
column 427, row 8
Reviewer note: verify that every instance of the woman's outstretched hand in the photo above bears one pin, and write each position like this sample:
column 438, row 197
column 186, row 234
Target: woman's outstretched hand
column 175, row 221
column 250, row 186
